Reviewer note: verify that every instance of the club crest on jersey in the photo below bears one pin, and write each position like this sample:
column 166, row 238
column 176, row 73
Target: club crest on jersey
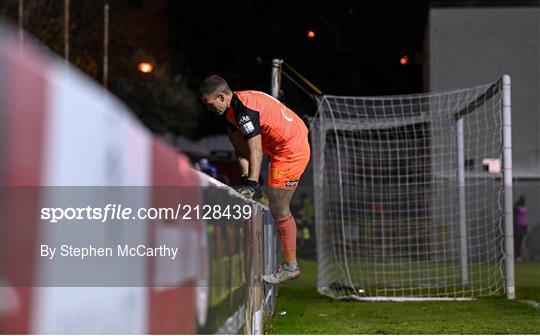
column 286, row 116
column 291, row 183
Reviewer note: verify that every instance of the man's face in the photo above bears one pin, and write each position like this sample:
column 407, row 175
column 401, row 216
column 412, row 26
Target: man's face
column 215, row 102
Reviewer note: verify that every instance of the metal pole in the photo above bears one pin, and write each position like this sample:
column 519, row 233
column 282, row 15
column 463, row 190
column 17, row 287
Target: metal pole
column 462, row 203
column 318, row 135
column 269, row 249
column 276, row 64
column 66, row 30
column 507, row 182
column 270, row 263
column 105, row 45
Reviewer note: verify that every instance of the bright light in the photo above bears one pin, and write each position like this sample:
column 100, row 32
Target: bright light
column 492, row 165
column 145, row 67
column 404, row 60
column 310, row 34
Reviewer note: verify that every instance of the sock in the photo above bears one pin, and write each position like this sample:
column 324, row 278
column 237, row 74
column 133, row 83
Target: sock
column 291, row 266
column 286, row 228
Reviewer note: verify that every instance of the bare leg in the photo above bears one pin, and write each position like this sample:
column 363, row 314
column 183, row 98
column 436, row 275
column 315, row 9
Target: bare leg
column 279, row 200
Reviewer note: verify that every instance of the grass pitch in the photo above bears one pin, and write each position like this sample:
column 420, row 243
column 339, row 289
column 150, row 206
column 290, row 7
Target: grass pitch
column 308, row 312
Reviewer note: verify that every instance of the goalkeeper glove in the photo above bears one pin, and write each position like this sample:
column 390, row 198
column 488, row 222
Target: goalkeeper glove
column 245, row 178
column 251, row 189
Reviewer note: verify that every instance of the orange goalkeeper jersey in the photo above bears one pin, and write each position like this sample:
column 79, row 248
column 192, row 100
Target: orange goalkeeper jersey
column 254, row 112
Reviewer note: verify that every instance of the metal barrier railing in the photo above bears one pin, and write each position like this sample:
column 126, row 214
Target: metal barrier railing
column 253, row 245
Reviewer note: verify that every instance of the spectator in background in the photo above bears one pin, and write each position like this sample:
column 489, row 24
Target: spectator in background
column 307, row 209
column 531, row 243
column 306, row 226
column 206, row 167
column 520, row 225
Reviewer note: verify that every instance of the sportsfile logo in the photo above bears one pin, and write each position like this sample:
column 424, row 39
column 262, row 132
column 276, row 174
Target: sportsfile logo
column 291, row 183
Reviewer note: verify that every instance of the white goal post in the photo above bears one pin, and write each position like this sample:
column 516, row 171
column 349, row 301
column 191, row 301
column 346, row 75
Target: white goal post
column 413, row 195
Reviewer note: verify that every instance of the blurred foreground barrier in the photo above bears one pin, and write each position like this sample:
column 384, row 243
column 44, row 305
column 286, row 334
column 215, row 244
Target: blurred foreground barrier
column 239, row 254
column 67, row 145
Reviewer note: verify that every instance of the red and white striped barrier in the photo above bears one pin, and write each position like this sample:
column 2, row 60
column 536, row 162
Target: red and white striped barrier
column 60, row 129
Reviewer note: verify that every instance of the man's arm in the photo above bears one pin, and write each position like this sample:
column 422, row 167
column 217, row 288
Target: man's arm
column 241, row 150
column 254, row 145
column 247, row 144
column 249, row 153
column 250, row 141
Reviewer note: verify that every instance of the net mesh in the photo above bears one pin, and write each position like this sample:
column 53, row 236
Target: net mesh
column 406, row 203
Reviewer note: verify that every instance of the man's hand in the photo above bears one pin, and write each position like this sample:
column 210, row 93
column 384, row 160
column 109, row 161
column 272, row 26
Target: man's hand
column 251, row 189
column 244, row 178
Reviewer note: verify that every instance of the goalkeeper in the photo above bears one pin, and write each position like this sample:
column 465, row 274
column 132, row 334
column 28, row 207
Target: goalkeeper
column 259, row 123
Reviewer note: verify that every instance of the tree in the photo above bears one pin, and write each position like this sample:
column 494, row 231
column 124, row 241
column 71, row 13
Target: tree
column 161, row 99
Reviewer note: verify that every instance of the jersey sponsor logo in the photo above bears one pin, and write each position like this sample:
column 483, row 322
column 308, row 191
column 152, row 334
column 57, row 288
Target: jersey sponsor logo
column 291, row 183
column 247, row 128
column 244, row 120
column 277, row 173
column 285, row 115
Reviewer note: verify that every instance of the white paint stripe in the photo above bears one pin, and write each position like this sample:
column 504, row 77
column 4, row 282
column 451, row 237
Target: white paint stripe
column 403, row 299
column 531, row 303
column 91, row 140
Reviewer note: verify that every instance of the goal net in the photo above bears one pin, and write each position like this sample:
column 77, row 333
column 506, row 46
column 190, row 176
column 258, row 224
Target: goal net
column 410, row 195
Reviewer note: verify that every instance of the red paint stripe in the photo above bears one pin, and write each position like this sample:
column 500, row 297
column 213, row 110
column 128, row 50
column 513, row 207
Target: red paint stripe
column 172, row 310
column 25, row 96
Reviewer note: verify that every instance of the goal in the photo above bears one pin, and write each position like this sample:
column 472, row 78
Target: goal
column 413, row 195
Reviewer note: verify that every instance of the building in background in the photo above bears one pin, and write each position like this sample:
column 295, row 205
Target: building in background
column 466, row 46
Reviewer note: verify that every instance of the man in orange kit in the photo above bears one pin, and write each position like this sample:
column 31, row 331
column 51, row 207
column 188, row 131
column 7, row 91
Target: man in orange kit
column 259, row 123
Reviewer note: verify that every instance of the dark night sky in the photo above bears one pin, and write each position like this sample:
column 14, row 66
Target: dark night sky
column 356, row 50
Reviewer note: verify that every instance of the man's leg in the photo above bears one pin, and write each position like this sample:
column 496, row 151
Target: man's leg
column 279, row 200
column 519, row 234
column 283, row 178
column 279, row 204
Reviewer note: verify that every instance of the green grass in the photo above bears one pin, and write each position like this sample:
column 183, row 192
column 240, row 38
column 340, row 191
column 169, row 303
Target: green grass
column 308, row 312
column 436, row 278
column 528, row 281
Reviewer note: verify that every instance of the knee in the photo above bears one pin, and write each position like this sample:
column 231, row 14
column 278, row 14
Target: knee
column 278, row 211
column 279, row 207
column 281, row 214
